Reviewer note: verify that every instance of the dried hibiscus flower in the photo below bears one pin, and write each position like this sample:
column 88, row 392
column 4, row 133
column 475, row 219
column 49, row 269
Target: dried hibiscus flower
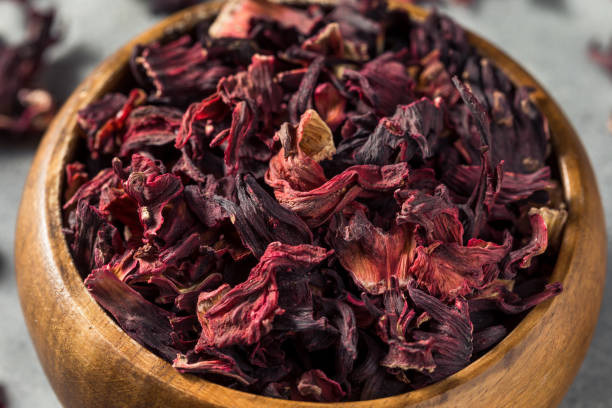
column 23, row 109
column 307, row 203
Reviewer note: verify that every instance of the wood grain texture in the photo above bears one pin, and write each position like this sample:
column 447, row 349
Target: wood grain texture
column 92, row 363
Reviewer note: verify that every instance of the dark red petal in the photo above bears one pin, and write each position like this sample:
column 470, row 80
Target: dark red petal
column 242, row 123
column 142, row 320
column 260, row 220
column 243, row 314
column 210, row 108
column 95, row 239
column 438, row 216
column 76, row 176
column 497, row 296
column 383, row 83
column 452, row 336
column 179, row 70
column 104, row 140
column 412, row 127
column 93, row 116
column 314, row 385
column 149, row 126
column 256, row 85
column 152, row 192
column 302, row 99
column 488, row 337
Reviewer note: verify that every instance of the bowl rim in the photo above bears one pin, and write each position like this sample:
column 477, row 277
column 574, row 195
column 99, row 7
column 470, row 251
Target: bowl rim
column 107, row 76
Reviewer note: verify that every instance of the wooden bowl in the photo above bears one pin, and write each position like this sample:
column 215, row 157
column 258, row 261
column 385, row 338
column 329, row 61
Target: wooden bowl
column 91, row 362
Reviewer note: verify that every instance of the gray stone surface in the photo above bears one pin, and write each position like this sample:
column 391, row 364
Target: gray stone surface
column 547, row 36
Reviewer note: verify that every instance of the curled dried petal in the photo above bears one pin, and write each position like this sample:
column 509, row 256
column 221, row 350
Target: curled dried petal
column 243, row 314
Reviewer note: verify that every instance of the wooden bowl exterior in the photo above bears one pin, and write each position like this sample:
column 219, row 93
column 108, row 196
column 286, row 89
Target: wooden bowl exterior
column 91, row 362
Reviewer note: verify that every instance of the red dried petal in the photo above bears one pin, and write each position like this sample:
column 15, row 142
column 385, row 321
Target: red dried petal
column 371, row 255
column 149, row 126
column 93, row 116
column 497, row 296
column 152, row 192
column 296, row 164
column 316, row 206
column 243, row 314
column 260, row 220
column 451, row 337
column 104, row 140
column 536, row 246
column 76, row 176
column 242, row 123
column 436, row 214
column 451, row 270
column 329, row 41
column 234, row 20
column 257, row 86
column 24, row 110
column 179, row 70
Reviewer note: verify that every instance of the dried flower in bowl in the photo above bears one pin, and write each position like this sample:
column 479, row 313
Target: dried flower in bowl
column 315, row 204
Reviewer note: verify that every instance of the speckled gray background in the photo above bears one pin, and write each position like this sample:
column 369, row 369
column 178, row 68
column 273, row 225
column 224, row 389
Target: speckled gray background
column 547, row 36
